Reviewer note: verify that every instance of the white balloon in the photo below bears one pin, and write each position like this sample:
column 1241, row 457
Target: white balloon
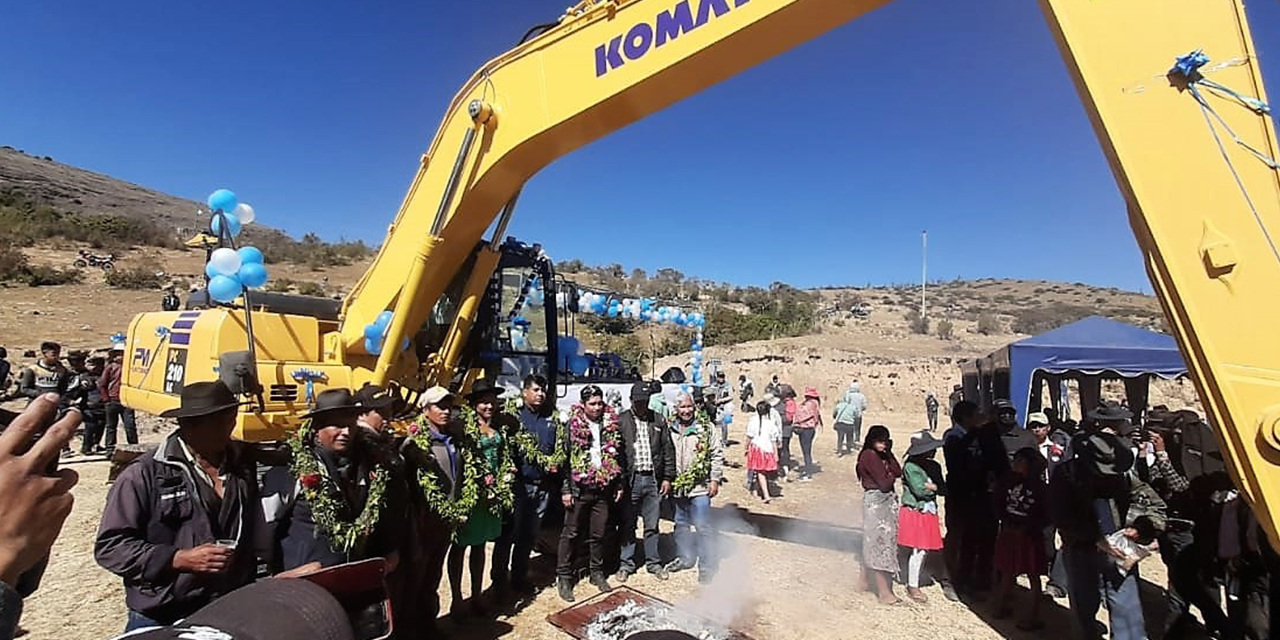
column 245, row 213
column 225, row 261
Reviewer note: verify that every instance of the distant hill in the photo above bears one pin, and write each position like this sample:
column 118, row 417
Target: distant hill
column 78, row 191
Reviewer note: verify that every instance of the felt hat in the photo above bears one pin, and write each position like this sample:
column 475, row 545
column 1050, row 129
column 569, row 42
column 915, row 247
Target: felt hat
column 201, row 399
column 372, row 397
column 1110, row 412
column 1104, row 453
column 276, row 609
column 333, row 401
column 923, row 442
column 811, row 392
column 481, row 387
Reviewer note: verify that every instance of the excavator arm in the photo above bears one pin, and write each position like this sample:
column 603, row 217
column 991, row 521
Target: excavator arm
column 1191, row 152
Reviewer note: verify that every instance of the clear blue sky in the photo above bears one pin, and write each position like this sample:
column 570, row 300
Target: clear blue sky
column 957, row 117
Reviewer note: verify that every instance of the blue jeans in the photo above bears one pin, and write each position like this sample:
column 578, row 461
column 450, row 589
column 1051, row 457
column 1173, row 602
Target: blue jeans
column 139, row 621
column 644, row 502
column 698, row 546
column 519, row 534
column 1090, row 578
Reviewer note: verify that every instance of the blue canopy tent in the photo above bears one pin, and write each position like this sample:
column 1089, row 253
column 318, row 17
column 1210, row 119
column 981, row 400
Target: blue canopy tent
column 1087, row 350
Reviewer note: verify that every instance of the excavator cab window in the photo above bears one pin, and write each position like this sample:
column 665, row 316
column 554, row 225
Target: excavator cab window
column 433, row 332
column 517, row 321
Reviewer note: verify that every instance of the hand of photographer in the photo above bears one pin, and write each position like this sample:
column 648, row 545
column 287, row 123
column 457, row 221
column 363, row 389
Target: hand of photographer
column 33, row 506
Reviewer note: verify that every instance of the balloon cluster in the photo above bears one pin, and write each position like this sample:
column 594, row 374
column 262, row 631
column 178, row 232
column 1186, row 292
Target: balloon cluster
column 230, row 271
column 520, row 326
column 375, row 334
column 572, row 356
column 642, row 309
column 235, row 214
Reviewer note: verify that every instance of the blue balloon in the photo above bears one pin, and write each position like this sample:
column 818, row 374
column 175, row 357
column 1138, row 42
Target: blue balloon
column 372, row 332
column 404, row 345
column 224, row 288
column 646, row 305
column 250, row 255
column 253, row 274
column 372, row 347
column 579, row 365
column 383, row 319
column 728, row 418
column 233, row 224
column 613, row 312
column 223, row 199
column 684, row 386
column 210, row 270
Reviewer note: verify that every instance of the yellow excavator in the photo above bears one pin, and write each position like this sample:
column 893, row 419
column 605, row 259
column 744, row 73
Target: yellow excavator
column 1187, row 135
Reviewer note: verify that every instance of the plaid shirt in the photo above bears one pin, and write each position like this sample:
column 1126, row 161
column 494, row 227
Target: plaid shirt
column 644, row 453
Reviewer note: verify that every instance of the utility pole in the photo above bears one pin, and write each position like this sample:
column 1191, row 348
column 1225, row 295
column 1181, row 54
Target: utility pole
column 924, row 268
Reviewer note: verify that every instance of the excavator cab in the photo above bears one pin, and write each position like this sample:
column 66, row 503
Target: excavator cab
column 516, row 323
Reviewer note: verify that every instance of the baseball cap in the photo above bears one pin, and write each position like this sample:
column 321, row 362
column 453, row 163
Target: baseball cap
column 1037, row 417
column 435, row 395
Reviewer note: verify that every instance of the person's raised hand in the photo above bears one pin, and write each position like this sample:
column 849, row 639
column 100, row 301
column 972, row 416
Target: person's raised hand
column 33, row 505
column 1157, row 441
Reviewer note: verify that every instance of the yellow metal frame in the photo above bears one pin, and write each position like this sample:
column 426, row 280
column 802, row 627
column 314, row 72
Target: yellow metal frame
column 608, row 64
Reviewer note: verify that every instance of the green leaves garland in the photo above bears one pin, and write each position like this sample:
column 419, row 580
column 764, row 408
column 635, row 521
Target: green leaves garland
column 700, row 470
column 325, row 498
column 494, row 485
column 457, row 510
column 526, row 444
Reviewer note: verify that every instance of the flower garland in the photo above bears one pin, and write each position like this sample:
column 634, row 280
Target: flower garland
column 457, row 510
column 526, row 444
column 700, row 469
column 496, row 484
column 324, row 497
column 580, row 457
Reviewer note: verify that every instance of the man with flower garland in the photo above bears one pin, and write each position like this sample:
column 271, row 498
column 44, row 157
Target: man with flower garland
column 436, row 457
column 537, row 438
column 699, row 466
column 647, row 473
column 329, row 503
column 596, row 457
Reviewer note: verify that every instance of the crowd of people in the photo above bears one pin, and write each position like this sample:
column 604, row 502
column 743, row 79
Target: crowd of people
column 423, row 489
column 189, row 523
column 1079, row 504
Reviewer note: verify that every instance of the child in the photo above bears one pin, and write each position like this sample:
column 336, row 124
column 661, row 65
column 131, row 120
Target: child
column 1021, row 500
column 765, row 435
column 918, row 527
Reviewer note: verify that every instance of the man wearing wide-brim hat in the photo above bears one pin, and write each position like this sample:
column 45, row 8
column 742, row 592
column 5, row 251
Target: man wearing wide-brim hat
column 183, row 524
column 334, row 481
column 1092, row 495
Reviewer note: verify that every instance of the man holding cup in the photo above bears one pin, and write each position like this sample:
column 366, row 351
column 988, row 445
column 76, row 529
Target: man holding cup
column 182, row 523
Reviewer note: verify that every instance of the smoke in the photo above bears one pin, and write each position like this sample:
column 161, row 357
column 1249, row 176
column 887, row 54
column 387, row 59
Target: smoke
column 730, row 597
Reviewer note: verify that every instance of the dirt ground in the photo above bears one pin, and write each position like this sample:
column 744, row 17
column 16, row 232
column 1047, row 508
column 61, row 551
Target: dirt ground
column 789, row 572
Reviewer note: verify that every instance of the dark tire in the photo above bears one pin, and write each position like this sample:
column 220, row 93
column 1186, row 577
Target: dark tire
column 80, row 263
column 107, row 266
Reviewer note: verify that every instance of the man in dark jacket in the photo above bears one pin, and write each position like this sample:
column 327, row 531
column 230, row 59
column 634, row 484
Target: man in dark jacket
column 589, row 492
column 1092, row 496
column 346, row 472
column 182, row 524
column 537, row 481
column 975, row 458
column 650, row 468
